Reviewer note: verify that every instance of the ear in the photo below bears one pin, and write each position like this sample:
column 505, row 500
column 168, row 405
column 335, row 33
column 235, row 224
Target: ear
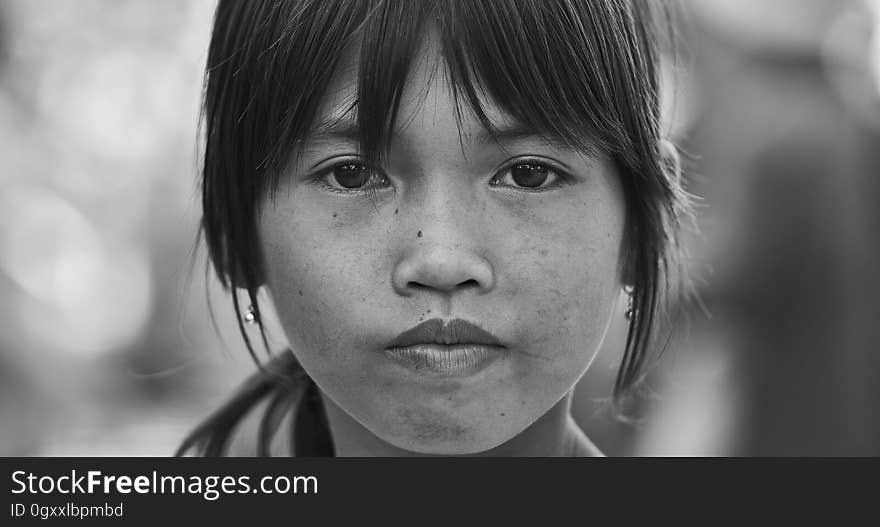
column 627, row 265
column 671, row 160
column 246, row 271
column 243, row 279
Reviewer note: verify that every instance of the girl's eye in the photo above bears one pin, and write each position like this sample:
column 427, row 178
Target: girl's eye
column 529, row 176
column 350, row 176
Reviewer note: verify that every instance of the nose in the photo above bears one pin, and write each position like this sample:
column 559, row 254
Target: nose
column 443, row 256
column 444, row 269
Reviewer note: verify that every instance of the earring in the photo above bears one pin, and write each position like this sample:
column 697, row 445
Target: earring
column 251, row 315
column 630, row 306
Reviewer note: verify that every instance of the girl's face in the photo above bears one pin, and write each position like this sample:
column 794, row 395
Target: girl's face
column 520, row 237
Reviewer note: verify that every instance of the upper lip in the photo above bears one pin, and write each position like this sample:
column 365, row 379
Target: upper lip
column 436, row 331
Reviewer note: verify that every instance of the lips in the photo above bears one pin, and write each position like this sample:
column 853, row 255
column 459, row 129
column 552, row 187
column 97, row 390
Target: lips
column 457, row 348
column 456, row 331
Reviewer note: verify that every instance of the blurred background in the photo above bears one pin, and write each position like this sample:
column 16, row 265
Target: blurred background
column 107, row 346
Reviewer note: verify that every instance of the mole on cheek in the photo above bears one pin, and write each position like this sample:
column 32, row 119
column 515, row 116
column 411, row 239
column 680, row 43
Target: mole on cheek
column 419, row 234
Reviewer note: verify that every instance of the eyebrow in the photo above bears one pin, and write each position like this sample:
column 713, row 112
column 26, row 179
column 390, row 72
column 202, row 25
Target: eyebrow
column 509, row 134
column 337, row 129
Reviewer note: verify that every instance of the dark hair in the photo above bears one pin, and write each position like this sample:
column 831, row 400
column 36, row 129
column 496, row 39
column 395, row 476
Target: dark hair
column 581, row 71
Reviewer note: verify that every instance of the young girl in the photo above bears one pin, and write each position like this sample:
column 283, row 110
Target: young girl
column 444, row 201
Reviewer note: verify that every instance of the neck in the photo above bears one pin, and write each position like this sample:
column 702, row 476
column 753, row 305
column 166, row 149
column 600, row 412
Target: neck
column 554, row 434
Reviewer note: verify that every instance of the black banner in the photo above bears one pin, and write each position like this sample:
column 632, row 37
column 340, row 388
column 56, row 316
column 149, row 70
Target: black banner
column 174, row 490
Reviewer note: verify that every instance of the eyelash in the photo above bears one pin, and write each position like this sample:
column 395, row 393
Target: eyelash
column 560, row 179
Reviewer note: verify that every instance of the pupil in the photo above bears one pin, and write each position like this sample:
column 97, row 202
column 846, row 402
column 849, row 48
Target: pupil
column 526, row 175
column 351, row 176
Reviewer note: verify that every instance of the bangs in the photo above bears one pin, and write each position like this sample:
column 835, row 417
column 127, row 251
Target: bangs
column 553, row 67
column 548, row 65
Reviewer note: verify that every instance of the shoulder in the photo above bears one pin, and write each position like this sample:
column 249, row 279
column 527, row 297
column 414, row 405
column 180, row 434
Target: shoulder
column 261, row 407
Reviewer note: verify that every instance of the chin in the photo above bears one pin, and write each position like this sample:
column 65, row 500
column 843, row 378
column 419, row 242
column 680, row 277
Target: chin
column 443, row 439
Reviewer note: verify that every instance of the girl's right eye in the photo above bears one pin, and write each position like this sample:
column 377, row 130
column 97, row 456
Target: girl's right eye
column 352, row 177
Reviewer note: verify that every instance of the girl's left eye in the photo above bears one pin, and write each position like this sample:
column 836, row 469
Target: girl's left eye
column 528, row 176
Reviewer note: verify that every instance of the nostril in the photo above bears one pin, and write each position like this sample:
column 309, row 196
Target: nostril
column 467, row 284
column 416, row 285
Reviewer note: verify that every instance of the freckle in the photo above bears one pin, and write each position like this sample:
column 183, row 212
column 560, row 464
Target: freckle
column 334, row 214
column 429, row 311
column 419, row 234
column 395, row 211
column 502, row 414
column 300, row 291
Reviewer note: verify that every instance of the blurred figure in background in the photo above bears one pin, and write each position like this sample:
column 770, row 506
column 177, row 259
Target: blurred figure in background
column 786, row 135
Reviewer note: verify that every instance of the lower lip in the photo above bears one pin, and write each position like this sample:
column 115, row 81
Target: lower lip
column 447, row 360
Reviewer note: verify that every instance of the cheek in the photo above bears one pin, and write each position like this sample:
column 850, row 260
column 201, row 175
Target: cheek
column 564, row 280
column 320, row 283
